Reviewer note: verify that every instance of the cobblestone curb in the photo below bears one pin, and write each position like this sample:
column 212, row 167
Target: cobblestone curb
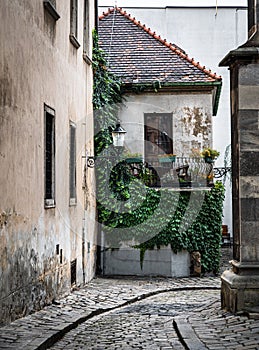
column 187, row 335
column 43, row 328
column 219, row 329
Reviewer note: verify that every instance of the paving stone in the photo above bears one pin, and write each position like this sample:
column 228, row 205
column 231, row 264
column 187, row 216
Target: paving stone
column 135, row 326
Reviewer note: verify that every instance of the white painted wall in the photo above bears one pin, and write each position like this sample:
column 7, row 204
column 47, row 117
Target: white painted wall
column 164, row 3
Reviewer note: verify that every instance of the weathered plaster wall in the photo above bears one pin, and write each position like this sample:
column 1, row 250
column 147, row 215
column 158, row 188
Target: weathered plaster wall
column 191, row 119
column 39, row 65
column 157, row 262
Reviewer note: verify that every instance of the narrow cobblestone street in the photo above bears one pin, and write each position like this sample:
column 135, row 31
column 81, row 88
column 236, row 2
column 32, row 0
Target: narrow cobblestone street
column 137, row 313
column 147, row 324
column 129, row 182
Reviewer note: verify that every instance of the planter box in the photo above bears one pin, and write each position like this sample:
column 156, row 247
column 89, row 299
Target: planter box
column 157, row 262
column 185, row 184
column 167, row 159
column 133, row 160
column 208, row 160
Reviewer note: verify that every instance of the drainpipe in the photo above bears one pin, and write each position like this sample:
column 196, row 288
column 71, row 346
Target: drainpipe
column 83, row 251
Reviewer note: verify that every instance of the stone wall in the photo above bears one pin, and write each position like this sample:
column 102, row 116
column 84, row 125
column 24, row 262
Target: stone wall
column 157, row 262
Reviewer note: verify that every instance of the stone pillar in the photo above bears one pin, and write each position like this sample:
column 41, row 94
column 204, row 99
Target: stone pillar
column 240, row 285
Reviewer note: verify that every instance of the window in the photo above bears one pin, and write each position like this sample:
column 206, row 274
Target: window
column 86, row 32
column 50, row 7
column 73, row 23
column 73, row 272
column 49, row 115
column 72, row 164
column 158, row 135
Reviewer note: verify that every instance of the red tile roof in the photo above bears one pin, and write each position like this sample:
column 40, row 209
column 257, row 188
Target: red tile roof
column 137, row 54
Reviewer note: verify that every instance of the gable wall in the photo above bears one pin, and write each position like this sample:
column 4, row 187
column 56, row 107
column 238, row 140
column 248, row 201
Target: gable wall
column 191, row 116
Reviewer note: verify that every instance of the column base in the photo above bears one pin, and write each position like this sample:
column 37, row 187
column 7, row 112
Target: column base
column 240, row 289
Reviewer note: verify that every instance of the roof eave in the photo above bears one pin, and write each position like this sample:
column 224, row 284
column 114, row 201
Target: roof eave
column 183, row 86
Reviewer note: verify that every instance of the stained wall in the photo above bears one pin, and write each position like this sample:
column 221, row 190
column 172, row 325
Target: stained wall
column 40, row 66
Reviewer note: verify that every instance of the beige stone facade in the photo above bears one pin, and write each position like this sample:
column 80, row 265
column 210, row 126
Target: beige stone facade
column 47, row 234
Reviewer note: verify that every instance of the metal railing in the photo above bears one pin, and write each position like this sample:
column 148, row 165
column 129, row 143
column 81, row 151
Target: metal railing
column 183, row 171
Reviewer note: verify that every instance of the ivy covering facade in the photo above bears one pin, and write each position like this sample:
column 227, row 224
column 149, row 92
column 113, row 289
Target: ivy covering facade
column 132, row 212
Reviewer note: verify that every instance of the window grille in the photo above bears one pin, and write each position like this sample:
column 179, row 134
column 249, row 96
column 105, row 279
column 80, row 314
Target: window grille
column 49, row 156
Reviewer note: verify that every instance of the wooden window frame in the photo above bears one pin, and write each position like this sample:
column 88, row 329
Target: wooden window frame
column 159, row 133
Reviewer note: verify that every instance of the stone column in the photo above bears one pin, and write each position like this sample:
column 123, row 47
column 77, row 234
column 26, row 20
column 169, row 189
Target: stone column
column 240, row 285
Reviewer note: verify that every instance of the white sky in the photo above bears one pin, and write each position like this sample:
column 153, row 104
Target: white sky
column 163, row 3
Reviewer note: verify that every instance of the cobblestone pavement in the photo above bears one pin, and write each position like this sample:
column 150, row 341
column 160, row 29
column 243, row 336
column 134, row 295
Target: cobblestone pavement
column 147, row 324
column 111, row 313
column 41, row 329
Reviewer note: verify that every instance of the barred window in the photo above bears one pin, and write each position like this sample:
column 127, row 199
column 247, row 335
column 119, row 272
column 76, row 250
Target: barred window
column 49, row 115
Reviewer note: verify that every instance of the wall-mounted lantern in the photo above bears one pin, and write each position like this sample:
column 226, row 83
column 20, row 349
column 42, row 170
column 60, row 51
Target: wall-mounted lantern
column 118, row 137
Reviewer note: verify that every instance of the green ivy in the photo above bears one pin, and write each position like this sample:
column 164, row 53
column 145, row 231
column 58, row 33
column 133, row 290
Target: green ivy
column 106, row 97
column 203, row 228
column 203, row 235
column 128, row 209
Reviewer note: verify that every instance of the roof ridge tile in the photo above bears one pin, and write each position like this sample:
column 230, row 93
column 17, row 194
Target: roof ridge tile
column 163, row 41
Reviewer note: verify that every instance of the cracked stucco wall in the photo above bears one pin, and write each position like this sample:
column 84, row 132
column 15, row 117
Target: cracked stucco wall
column 191, row 119
column 39, row 65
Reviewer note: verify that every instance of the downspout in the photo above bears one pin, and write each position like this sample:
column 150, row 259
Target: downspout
column 84, row 206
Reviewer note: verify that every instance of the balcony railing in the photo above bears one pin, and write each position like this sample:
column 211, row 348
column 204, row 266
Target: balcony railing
column 178, row 172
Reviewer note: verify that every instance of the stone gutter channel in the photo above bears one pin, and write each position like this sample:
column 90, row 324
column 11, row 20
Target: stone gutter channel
column 186, row 333
column 41, row 330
